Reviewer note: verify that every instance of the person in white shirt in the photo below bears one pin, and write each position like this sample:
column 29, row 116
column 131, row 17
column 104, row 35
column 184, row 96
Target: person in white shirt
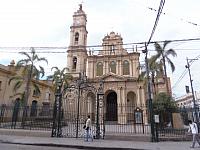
column 194, row 130
column 88, row 129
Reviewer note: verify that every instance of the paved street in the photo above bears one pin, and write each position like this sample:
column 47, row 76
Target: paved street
column 41, row 138
column 4, row 146
column 96, row 144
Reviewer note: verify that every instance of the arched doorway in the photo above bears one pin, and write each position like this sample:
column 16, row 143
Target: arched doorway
column 111, row 107
column 131, row 106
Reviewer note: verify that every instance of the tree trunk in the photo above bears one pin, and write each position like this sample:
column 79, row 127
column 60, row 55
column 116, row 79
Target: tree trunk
column 154, row 85
column 165, row 75
column 27, row 91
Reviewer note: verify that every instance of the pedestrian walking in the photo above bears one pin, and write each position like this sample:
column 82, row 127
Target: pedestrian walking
column 193, row 128
column 88, row 134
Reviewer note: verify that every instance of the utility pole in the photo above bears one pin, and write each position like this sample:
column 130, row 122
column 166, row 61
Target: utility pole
column 149, row 99
column 196, row 118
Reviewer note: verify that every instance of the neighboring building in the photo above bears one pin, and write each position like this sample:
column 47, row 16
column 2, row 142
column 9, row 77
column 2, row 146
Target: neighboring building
column 186, row 105
column 187, row 100
column 9, row 97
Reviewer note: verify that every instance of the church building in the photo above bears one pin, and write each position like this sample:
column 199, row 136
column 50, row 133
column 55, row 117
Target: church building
column 114, row 65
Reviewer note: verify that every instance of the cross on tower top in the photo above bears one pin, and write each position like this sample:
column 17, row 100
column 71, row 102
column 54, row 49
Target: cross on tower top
column 80, row 5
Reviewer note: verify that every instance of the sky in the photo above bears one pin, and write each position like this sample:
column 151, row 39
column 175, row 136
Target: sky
column 46, row 23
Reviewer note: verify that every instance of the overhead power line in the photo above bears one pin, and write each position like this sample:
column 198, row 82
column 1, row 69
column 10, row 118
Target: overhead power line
column 168, row 14
column 93, row 46
column 181, row 19
column 180, row 78
column 184, row 72
column 162, row 2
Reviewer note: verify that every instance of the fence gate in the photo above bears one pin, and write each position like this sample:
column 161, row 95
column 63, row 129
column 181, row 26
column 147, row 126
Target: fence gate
column 78, row 101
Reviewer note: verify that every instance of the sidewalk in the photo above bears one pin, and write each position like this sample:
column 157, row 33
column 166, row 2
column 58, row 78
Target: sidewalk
column 96, row 144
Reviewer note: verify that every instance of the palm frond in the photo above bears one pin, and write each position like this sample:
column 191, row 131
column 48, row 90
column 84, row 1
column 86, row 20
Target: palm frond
column 17, row 85
column 36, row 88
column 171, row 52
column 43, row 59
column 26, row 54
column 165, row 44
column 41, row 71
column 16, row 78
column 56, row 68
column 172, row 66
column 158, row 48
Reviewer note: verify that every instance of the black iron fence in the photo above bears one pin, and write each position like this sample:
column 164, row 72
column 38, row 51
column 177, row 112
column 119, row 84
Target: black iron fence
column 36, row 118
column 176, row 126
column 172, row 134
column 130, row 121
column 124, row 120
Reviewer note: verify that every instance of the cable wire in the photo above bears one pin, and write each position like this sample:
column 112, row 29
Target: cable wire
column 162, row 2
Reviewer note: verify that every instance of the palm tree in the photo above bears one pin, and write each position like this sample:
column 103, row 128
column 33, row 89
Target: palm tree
column 60, row 77
column 155, row 69
column 61, row 81
column 29, row 72
column 163, row 57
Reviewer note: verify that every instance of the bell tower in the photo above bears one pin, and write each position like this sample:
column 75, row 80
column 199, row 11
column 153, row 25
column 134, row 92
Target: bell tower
column 77, row 53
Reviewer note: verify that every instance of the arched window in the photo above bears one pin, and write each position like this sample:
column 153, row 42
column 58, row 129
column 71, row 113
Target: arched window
column 125, row 67
column 113, row 67
column 99, row 69
column 76, row 37
column 36, row 93
column 74, row 63
column 15, row 112
column 33, row 108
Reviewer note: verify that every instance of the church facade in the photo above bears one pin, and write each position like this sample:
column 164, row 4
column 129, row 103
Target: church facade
column 114, row 65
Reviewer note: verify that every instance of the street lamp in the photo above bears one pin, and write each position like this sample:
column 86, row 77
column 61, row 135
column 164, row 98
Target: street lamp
column 149, row 95
column 100, row 97
column 193, row 98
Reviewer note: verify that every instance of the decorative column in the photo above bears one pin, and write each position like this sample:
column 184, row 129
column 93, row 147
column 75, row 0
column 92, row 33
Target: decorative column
column 131, row 67
column 120, row 67
column 122, row 116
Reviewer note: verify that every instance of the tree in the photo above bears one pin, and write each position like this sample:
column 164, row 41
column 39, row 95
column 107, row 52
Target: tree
column 155, row 70
column 164, row 105
column 60, row 80
column 163, row 56
column 60, row 77
column 28, row 73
